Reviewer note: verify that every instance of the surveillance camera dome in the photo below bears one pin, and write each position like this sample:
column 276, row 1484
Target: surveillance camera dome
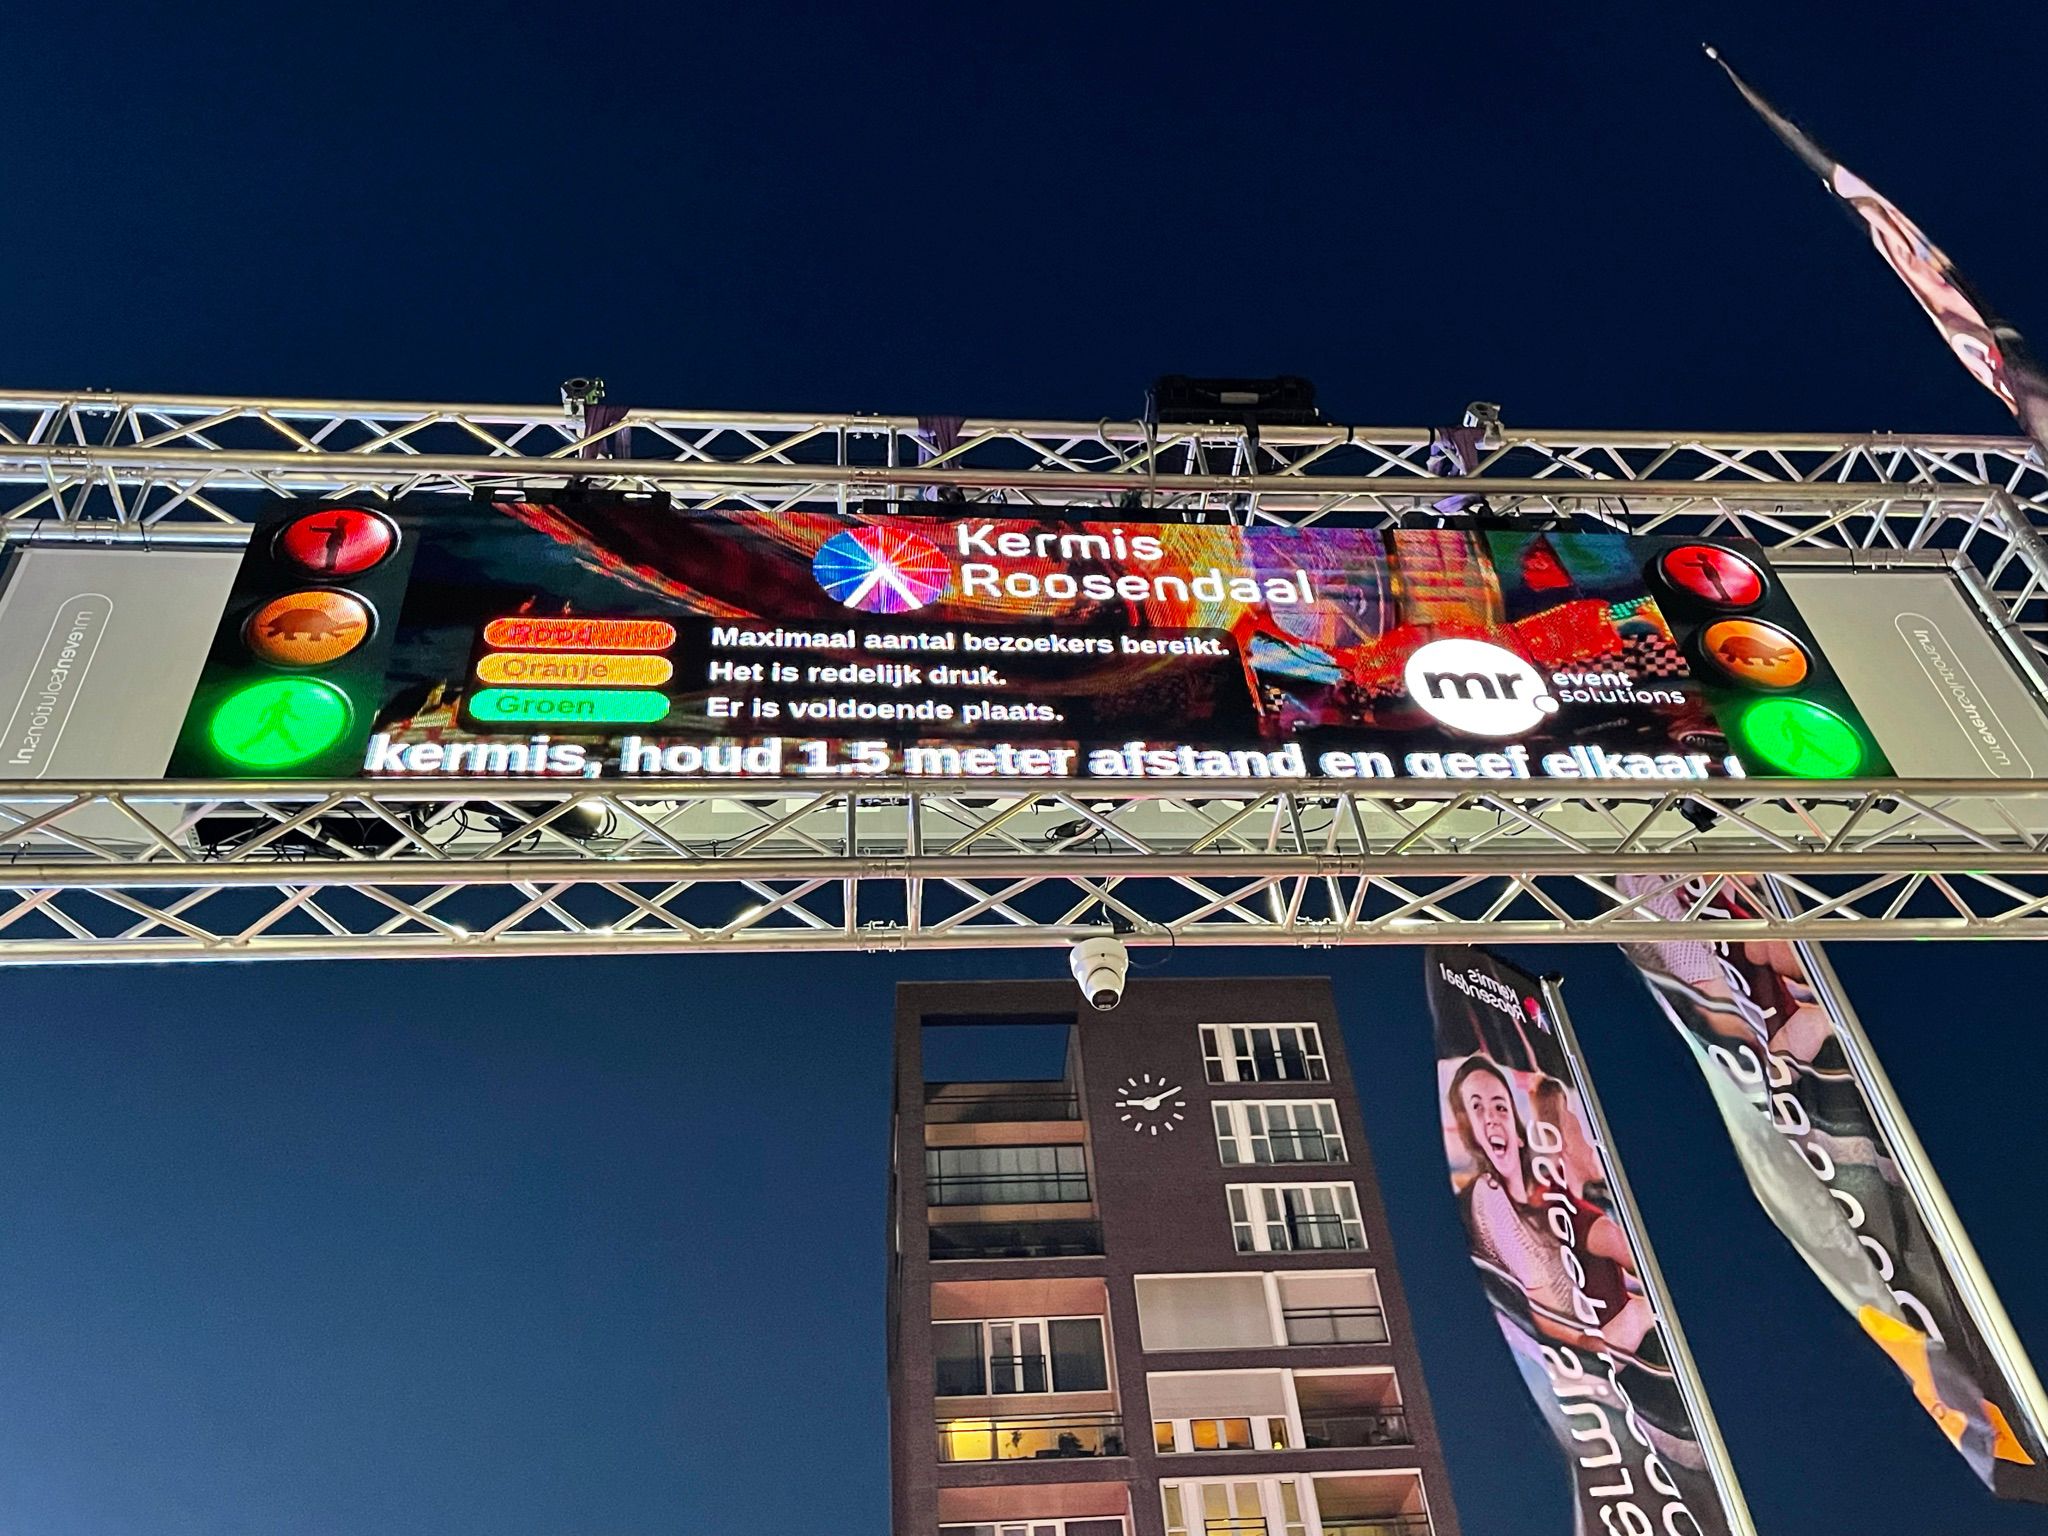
column 1100, row 965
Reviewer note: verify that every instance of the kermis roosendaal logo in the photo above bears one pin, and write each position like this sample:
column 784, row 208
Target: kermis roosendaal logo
column 1478, row 687
column 881, row 570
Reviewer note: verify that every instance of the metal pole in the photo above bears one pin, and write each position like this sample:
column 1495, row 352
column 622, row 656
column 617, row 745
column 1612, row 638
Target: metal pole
column 1965, row 1269
column 1691, row 1389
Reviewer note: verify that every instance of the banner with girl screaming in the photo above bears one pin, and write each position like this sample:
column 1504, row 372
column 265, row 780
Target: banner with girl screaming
column 1566, row 1284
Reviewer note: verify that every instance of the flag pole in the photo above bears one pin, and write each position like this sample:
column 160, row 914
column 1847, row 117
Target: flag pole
column 1817, row 160
column 1685, row 1370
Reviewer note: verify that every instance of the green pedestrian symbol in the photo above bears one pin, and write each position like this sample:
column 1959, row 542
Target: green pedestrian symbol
column 279, row 722
column 1802, row 739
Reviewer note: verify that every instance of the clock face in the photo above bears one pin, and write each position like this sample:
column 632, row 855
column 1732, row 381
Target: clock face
column 1151, row 1104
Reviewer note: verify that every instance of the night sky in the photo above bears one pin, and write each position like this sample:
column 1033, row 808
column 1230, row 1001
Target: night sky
column 511, row 1248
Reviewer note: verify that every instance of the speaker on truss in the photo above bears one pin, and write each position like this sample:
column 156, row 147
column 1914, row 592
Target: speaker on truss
column 1284, row 401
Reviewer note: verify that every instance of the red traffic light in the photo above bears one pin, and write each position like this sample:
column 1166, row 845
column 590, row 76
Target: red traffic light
column 1711, row 575
column 339, row 541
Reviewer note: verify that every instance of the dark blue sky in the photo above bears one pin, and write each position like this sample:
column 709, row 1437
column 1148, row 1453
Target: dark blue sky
column 525, row 1248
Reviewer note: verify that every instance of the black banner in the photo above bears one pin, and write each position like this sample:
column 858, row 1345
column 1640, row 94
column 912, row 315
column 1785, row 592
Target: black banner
column 1823, row 1168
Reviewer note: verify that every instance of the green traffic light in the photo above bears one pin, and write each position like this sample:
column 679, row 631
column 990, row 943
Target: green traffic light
column 279, row 722
column 1802, row 739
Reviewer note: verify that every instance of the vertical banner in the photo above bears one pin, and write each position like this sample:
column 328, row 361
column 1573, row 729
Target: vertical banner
column 1994, row 352
column 1785, row 1082
column 1539, row 1196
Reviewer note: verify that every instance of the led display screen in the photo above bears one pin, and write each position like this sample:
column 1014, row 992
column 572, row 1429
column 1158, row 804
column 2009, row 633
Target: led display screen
column 607, row 636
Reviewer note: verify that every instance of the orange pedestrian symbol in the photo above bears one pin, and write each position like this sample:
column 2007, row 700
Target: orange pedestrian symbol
column 307, row 629
column 1759, row 654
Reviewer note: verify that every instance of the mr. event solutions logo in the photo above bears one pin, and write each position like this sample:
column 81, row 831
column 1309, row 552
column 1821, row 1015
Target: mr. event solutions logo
column 1478, row 687
column 881, row 570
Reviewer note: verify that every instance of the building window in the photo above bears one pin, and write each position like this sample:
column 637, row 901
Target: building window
column 1263, row 1053
column 1005, row 1175
column 1285, row 1218
column 1254, row 1433
column 1034, row 1438
column 1267, row 1506
column 1278, row 1131
column 1002, row 1357
column 961, row 1359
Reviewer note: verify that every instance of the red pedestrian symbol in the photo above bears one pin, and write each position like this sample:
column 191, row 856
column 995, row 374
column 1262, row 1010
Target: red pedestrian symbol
column 340, row 541
column 1712, row 575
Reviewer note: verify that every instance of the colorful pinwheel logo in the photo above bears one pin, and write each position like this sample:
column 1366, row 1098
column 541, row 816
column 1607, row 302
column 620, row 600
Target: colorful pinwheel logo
column 880, row 570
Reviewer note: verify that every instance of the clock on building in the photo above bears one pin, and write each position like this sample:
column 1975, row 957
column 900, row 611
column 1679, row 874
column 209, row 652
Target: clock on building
column 1149, row 1105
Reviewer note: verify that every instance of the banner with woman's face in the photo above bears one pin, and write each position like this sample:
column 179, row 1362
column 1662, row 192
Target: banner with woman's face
column 1535, row 1189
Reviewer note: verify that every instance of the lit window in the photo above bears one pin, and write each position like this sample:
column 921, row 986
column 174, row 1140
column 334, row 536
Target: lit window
column 1030, row 1438
column 1221, row 1434
column 1249, row 1433
column 1267, row 1506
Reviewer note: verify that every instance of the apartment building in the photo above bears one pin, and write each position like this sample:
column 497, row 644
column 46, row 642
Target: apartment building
column 1145, row 1288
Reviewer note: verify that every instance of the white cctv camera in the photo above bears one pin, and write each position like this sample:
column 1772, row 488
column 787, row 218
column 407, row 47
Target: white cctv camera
column 1485, row 415
column 1100, row 966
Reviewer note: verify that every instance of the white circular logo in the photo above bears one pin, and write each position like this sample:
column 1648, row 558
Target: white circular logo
column 1478, row 687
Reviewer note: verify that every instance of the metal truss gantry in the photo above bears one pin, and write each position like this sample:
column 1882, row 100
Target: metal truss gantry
column 199, row 871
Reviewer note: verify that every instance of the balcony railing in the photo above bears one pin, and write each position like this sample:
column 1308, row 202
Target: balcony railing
column 1339, row 1525
column 1018, row 1373
column 1353, row 1431
column 1016, row 1240
column 1048, row 1188
column 1001, row 1102
column 1303, row 1232
column 1035, row 1439
column 1335, row 1325
column 1304, row 1146
column 1324, row 1232
column 1286, row 1065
